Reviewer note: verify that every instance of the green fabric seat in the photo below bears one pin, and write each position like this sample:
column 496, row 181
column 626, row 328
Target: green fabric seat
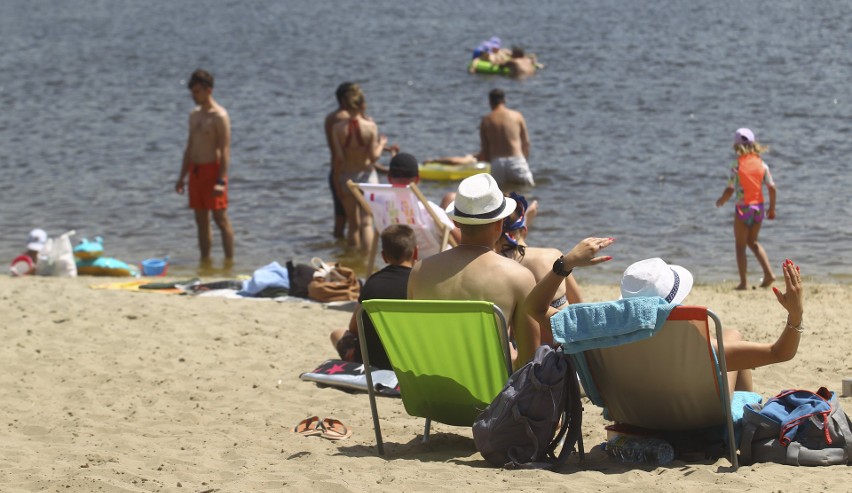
column 450, row 357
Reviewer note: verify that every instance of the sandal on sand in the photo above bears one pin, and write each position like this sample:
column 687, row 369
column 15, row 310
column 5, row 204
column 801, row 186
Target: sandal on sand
column 333, row 429
column 308, row 426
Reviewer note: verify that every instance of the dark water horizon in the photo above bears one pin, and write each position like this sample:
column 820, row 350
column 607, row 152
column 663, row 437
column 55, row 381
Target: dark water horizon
column 630, row 122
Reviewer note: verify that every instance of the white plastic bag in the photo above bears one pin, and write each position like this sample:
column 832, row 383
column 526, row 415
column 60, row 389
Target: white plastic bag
column 57, row 257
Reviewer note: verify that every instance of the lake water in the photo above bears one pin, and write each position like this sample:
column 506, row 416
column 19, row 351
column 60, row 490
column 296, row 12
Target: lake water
column 631, row 120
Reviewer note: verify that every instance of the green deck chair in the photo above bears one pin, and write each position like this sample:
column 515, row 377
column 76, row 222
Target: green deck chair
column 451, row 357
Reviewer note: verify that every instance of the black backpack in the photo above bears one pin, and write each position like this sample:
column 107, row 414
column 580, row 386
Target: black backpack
column 300, row 275
column 538, row 408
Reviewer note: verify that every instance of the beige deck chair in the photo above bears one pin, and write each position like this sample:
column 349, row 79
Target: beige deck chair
column 401, row 205
column 667, row 382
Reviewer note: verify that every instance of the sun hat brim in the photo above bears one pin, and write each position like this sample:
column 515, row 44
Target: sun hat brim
column 685, row 284
column 508, row 208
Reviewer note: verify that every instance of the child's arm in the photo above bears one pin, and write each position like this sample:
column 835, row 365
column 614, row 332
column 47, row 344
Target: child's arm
column 770, row 185
column 771, row 212
column 727, row 194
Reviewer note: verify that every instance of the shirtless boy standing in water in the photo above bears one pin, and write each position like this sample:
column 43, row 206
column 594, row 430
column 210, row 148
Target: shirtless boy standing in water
column 206, row 160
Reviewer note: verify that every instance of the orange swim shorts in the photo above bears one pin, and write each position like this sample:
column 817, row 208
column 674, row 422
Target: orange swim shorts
column 202, row 179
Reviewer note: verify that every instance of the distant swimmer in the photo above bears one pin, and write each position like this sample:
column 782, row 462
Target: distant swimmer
column 489, row 51
column 331, row 119
column 520, row 65
column 748, row 176
column 505, row 143
column 455, row 160
column 206, row 160
column 357, row 146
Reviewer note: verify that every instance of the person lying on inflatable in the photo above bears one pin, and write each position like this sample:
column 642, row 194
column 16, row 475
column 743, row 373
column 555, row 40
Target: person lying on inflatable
column 25, row 263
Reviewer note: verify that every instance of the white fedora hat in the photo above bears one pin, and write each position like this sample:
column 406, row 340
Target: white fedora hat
column 654, row 277
column 480, row 201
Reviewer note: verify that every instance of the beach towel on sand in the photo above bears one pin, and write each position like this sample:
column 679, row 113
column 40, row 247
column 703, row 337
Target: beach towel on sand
column 350, row 375
column 269, row 276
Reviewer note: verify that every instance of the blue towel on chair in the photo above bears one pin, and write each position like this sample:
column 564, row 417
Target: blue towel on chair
column 613, row 323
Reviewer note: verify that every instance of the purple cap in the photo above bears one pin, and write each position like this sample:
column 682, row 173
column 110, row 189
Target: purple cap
column 495, row 41
column 743, row 136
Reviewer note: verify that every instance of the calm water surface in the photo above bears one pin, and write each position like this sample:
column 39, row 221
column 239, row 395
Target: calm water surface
column 630, row 122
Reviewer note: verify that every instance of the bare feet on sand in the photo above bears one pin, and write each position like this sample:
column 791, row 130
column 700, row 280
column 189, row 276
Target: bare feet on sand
column 767, row 281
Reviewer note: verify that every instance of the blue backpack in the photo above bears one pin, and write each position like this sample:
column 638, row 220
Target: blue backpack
column 798, row 428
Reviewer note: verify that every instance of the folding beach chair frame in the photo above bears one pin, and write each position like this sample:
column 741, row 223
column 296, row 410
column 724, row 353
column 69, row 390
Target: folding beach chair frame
column 720, row 371
column 500, row 326
column 725, row 391
column 374, row 246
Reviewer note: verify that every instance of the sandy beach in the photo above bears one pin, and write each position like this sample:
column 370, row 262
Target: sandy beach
column 118, row 391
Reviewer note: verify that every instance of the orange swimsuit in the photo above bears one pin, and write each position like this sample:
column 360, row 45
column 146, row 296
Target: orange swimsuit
column 202, row 179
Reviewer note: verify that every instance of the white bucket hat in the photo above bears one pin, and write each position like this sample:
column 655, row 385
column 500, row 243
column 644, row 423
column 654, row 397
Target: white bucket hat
column 36, row 240
column 654, row 277
column 479, row 201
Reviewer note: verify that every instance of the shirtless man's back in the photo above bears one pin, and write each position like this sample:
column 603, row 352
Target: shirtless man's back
column 331, row 119
column 206, row 159
column 472, row 270
column 504, row 142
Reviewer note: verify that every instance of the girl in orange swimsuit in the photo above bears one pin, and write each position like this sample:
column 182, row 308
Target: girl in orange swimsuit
column 748, row 176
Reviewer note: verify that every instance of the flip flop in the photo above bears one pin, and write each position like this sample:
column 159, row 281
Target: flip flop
column 333, row 429
column 308, row 426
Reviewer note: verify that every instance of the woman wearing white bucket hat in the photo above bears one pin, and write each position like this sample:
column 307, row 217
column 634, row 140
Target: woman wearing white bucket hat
column 654, row 277
column 473, row 271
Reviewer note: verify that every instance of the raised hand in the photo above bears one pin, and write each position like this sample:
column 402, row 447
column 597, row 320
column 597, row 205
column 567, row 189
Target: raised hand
column 791, row 298
column 584, row 253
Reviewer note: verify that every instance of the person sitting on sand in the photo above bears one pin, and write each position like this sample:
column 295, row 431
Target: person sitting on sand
column 654, row 277
column 512, row 244
column 25, row 263
column 474, row 271
column 399, row 251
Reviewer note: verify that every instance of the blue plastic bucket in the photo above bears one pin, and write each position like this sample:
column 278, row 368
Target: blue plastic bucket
column 155, row 266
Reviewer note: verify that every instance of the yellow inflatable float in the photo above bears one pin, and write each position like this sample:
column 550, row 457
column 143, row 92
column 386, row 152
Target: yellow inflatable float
column 450, row 172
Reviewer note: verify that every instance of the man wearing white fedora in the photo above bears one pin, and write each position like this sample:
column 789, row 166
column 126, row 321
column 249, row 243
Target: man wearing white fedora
column 473, row 271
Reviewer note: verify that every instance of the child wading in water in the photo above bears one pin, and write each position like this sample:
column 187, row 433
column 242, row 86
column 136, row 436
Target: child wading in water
column 748, row 175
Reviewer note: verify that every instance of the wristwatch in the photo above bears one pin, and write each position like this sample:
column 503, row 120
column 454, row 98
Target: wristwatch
column 559, row 268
